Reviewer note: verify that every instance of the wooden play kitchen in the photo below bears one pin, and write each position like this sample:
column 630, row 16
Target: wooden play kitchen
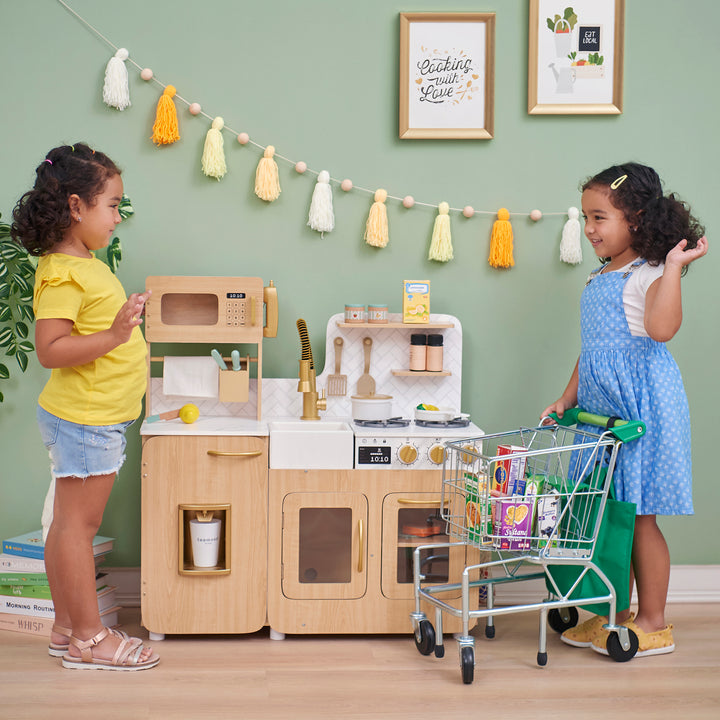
column 299, row 550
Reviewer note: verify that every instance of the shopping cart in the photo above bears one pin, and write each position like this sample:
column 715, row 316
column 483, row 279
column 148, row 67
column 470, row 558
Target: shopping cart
column 530, row 497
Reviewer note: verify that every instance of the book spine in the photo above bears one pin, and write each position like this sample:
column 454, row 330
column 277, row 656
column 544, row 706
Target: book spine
column 26, row 591
column 14, row 563
column 13, row 578
column 27, row 606
column 23, row 550
column 26, row 624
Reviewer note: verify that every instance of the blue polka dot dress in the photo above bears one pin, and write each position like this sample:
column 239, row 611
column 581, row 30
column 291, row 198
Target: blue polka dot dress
column 636, row 378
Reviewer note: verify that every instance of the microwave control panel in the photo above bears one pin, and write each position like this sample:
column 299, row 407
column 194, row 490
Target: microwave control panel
column 236, row 309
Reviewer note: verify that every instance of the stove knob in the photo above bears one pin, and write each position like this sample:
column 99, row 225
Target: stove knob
column 407, row 454
column 470, row 456
column 437, row 454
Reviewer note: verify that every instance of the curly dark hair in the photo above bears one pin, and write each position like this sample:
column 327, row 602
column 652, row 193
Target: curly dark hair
column 657, row 221
column 42, row 215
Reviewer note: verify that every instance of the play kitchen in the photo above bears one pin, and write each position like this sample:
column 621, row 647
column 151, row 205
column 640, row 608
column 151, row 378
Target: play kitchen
column 309, row 523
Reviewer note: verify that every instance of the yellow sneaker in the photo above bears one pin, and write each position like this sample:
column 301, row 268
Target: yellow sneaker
column 582, row 635
column 659, row 642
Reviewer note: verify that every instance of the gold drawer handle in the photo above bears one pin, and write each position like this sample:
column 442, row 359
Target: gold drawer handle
column 253, row 453
column 426, row 503
column 361, row 543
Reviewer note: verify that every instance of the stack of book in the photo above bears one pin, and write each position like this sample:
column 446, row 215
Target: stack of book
column 25, row 601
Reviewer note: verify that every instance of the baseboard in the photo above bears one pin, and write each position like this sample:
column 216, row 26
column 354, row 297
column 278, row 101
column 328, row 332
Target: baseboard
column 688, row 584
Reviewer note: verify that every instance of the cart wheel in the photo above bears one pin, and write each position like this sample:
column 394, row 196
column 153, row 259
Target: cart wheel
column 490, row 631
column 467, row 664
column 615, row 649
column 439, row 651
column 425, row 637
column 562, row 619
column 542, row 659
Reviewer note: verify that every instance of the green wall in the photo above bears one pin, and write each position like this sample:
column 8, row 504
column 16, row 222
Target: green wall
column 319, row 80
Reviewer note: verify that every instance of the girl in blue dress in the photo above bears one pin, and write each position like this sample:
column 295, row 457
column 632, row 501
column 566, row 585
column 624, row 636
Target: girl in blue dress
column 630, row 308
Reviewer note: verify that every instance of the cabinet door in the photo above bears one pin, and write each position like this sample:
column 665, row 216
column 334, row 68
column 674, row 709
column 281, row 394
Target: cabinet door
column 204, row 470
column 411, row 519
column 324, row 546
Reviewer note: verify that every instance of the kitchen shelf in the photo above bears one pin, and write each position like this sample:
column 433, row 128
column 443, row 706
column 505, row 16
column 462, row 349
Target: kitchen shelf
column 397, row 326
column 420, row 373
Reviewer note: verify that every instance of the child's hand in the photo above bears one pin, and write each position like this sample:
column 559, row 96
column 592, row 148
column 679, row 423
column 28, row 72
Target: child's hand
column 558, row 407
column 680, row 257
column 129, row 316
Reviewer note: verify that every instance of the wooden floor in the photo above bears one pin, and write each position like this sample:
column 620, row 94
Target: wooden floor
column 371, row 677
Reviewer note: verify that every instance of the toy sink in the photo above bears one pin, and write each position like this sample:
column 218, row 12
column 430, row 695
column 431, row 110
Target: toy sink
column 311, row 445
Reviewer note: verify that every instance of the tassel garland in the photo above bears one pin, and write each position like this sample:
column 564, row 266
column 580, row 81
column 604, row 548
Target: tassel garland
column 267, row 181
column 116, row 92
column 441, row 246
column 570, row 245
column 165, row 129
column 376, row 228
column 213, row 157
column 501, row 241
column 321, row 217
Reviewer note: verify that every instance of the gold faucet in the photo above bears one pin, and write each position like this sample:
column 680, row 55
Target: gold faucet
column 311, row 402
column 306, row 385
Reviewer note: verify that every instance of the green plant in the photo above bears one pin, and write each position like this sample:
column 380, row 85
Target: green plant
column 17, row 271
column 568, row 15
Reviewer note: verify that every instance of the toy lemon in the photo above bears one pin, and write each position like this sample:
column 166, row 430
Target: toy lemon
column 189, row 413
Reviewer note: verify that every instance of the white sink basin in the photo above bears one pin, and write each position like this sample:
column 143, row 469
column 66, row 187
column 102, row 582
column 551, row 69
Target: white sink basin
column 310, row 445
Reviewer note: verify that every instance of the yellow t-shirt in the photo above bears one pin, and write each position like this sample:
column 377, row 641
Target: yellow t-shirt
column 108, row 390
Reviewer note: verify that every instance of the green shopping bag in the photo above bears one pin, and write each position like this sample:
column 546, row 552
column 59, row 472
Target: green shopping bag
column 612, row 551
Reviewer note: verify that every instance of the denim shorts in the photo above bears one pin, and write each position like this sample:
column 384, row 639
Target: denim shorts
column 82, row 450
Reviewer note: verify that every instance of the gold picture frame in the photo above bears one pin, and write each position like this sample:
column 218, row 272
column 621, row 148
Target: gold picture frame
column 447, row 76
column 575, row 57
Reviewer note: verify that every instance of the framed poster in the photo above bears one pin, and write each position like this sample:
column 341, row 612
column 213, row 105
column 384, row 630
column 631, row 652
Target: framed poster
column 575, row 57
column 447, row 75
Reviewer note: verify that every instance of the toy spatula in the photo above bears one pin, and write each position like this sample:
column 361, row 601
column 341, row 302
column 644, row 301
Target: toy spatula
column 366, row 383
column 337, row 383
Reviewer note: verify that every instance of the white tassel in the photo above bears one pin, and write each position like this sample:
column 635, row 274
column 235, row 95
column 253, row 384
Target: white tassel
column 570, row 246
column 116, row 92
column 321, row 217
column 213, row 157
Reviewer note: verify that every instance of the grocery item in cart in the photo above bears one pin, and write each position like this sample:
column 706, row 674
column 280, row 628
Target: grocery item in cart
column 509, row 474
column 478, row 509
column 515, row 518
column 548, row 508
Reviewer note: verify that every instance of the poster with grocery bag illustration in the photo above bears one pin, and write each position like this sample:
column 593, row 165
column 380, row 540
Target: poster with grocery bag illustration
column 575, row 57
column 446, row 75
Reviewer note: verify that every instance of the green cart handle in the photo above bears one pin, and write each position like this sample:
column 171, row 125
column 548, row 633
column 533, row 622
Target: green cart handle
column 625, row 430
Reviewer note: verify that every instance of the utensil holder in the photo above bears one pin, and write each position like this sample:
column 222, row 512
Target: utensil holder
column 234, row 385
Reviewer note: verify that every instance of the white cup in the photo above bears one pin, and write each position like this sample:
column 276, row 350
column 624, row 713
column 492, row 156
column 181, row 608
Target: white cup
column 205, row 538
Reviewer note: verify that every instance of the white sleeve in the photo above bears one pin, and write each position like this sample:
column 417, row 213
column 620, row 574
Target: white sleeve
column 634, row 296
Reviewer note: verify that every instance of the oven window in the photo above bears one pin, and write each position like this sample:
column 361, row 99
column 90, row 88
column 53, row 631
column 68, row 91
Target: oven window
column 325, row 545
column 421, row 526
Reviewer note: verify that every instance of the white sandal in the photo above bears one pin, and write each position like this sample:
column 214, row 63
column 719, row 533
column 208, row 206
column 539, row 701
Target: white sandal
column 126, row 657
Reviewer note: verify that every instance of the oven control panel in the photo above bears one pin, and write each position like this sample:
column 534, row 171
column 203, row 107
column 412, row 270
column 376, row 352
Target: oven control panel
column 399, row 453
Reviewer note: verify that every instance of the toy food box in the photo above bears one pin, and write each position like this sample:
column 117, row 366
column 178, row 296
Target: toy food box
column 509, row 474
column 478, row 509
column 547, row 513
column 416, row 301
column 515, row 518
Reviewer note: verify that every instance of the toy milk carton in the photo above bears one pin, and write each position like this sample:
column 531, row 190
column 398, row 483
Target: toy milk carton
column 514, row 525
column 548, row 506
column 416, row 301
column 509, row 474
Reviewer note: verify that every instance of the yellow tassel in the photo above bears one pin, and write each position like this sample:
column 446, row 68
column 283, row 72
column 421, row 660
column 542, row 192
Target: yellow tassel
column 501, row 241
column 213, row 157
column 376, row 228
column 267, row 181
column 165, row 129
column 441, row 246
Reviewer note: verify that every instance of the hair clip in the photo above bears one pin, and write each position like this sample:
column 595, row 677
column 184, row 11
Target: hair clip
column 72, row 148
column 617, row 183
column 46, row 160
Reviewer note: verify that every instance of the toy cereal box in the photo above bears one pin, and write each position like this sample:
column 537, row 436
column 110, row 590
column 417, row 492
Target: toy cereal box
column 478, row 513
column 509, row 474
column 416, row 301
column 514, row 523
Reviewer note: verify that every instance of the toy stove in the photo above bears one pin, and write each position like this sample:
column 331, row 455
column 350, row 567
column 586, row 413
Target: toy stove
column 401, row 444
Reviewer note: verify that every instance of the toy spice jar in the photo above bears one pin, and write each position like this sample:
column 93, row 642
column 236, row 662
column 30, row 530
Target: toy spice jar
column 378, row 314
column 418, row 352
column 434, row 361
column 355, row 314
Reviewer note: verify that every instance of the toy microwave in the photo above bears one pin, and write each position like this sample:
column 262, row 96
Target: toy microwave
column 210, row 309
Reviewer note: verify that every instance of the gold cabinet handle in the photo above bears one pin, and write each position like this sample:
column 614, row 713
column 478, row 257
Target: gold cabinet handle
column 361, row 543
column 426, row 503
column 253, row 453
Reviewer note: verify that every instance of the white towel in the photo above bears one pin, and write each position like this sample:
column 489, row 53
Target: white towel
column 190, row 376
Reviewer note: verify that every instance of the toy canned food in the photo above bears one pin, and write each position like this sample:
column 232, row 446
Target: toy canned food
column 354, row 313
column 377, row 314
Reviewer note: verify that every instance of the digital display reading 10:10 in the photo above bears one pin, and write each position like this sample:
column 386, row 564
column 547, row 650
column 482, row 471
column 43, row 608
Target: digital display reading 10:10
column 235, row 296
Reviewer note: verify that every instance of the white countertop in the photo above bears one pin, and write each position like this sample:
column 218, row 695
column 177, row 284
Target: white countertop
column 207, row 425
